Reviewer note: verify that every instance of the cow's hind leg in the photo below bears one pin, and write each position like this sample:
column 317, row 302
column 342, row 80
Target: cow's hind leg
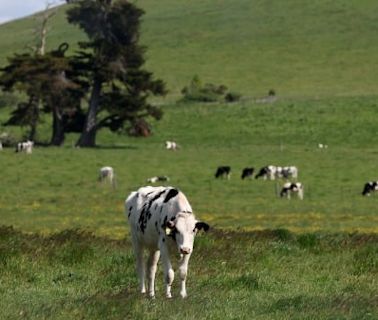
column 151, row 271
column 140, row 265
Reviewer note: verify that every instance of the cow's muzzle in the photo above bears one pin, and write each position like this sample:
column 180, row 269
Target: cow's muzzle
column 185, row 250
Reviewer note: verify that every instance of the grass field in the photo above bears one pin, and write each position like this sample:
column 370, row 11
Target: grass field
column 64, row 247
column 257, row 275
column 312, row 259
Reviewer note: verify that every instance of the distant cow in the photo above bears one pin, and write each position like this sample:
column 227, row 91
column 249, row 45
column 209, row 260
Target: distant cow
column 26, row 146
column 289, row 172
column 247, row 173
column 267, row 172
column 289, row 188
column 223, row 172
column 107, row 173
column 171, row 145
column 157, row 179
column 161, row 220
column 370, row 187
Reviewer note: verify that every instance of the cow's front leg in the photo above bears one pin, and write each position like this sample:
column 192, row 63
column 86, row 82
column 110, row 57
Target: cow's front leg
column 183, row 269
column 169, row 274
column 151, row 271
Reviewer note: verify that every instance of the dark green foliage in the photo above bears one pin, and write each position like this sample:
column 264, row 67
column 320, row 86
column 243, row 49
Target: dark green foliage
column 307, row 240
column 283, row 234
column 208, row 92
column 112, row 60
column 232, row 96
column 7, row 99
column 43, row 78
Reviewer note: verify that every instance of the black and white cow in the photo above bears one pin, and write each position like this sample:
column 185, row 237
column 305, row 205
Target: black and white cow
column 289, row 188
column 26, row 146
column 158, row 179
column 247, row 173
column 289, row 172
column 171, row 145
column 107, row 173
column 161, row 221
column 267, row 172
column 223, row 171
column 370, row 187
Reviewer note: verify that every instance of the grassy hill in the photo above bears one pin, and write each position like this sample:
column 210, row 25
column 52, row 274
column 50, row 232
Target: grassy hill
column 265, row 257
column 318, row 48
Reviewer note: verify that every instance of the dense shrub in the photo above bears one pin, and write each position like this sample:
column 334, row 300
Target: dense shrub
column 232, row 97
column 208, row 92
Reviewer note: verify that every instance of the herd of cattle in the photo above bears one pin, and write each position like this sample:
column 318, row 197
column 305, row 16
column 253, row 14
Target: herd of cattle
column 162, row 222
column 269, row 173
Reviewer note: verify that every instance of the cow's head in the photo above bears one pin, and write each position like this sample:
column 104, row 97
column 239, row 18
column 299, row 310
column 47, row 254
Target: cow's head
column 183, row 229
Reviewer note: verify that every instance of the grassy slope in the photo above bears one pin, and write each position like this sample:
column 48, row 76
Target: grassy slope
column 319, row 48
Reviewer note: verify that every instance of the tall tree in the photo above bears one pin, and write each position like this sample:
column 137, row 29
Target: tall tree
column 112, row 59
column 43, row 79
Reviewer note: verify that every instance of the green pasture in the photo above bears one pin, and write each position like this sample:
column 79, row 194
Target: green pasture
column 56, row 188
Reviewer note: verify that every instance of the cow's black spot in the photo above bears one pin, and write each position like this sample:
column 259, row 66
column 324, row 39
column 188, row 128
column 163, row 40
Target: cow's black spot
column 164, row 222
column 145, row 213
column 131, row 208
column 163, row 240
column 171, row 194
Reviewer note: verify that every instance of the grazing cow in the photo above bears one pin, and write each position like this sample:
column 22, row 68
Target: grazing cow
column 322, row 146
column 107, row 173
column 223, row 171
column 289, row 188
column 247, row 173
column 26, row 146
column 161, row 221
column 158, row 178
column 267, row 172
column 370, row 187
column 289, row 172
column 171, row 145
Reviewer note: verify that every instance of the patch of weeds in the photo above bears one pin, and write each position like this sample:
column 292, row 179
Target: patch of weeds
column 283, row 234
column 247, row 281
column 366, row 260
column 308, row 241
column 67, row 277
column 71, row 253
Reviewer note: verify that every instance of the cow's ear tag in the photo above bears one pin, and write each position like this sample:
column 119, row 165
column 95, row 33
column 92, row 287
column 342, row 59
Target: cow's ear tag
column 168, row 231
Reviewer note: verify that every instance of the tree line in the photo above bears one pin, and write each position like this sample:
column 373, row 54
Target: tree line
column 102, row 85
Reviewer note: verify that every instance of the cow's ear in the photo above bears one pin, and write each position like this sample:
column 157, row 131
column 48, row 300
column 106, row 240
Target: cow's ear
column 202, row 225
